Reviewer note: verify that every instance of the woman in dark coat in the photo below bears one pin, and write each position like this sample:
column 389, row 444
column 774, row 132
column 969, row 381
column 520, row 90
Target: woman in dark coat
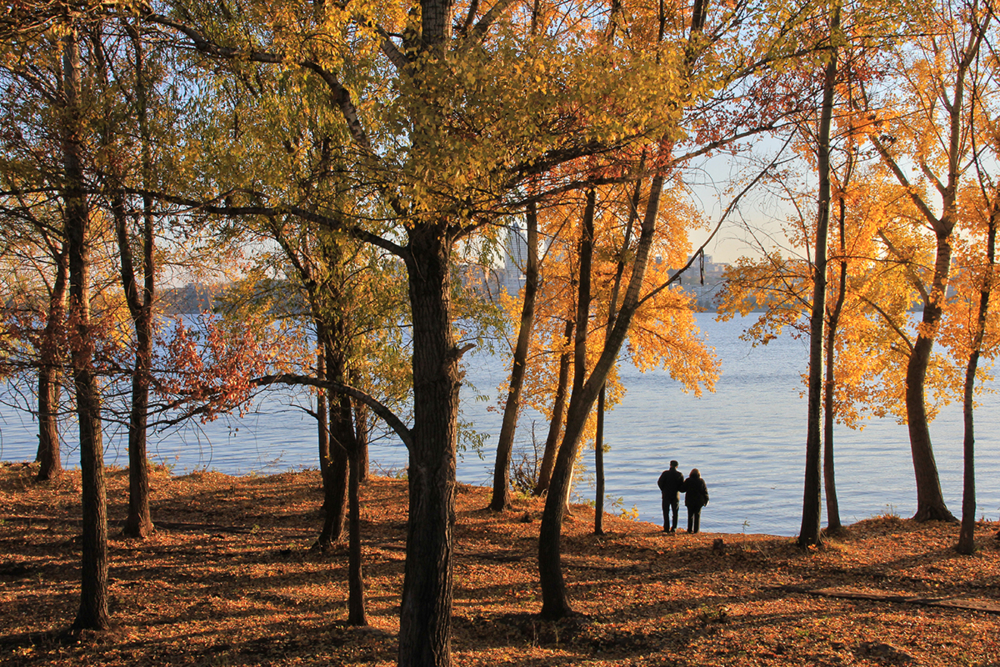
column 695, row 497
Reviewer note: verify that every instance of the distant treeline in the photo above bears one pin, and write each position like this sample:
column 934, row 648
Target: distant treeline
column 189, row 299
column 196, row 298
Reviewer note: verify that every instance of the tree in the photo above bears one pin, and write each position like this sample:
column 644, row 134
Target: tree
column 34, row 251
column 93, row 612
column 692, row 46
column 505, row 442
column 443, row 184
column 35, row 268
column 139, row 300
column 972, row 343
column 809, row 534
column 931, row 133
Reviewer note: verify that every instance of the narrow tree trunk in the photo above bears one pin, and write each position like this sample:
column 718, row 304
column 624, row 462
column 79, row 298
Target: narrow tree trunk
column 810, row 533
column 558, row 409
column 49, row 455
column 599, row 465
column 829, row 412
column 138, row 522
column 425, row 616
column 93, row 613
column 361, row 417
column 345, row 434
column 633, row 215
column 555, row 603
column 355, row 576
column 505, row 445
column 586, row 254
column 967, row 533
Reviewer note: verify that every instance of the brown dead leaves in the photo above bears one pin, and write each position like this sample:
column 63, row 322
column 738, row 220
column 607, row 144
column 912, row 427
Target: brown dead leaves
column 229, row 578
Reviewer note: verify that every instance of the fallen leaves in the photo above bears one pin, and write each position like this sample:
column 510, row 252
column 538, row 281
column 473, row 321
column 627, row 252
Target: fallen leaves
column 212, row 590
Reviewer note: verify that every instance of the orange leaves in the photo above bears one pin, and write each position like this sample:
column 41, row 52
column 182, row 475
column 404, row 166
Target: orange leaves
column 211, row 367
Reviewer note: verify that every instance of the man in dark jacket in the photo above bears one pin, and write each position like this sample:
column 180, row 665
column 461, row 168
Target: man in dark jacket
column 671, row 484
column 695, row 497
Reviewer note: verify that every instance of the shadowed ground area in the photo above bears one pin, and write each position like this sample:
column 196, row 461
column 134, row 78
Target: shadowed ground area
column 229, row 578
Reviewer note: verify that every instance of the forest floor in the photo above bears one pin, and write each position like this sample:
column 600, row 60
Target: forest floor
column 229, row 578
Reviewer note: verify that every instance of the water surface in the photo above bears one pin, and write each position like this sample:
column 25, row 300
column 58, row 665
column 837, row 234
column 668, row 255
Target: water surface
column 747, row 438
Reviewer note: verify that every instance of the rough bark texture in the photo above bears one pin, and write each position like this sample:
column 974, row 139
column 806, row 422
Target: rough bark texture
column 505, row 444
column 93, row 613
column 425, row 617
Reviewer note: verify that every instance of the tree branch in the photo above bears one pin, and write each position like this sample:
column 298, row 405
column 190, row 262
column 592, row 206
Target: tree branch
column 387, row 415
column 329, row 222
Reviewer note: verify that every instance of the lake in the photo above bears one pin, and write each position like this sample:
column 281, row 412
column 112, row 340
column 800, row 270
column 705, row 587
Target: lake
column 747, row 438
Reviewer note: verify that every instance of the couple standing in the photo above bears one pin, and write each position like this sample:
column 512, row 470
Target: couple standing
column 671, row 484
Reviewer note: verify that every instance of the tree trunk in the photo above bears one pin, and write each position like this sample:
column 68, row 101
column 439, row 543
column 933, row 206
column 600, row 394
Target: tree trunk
column 554, row 600
column 599, row 465
column 558, row 409
column 555, row 604
column 93, row 613
column 355, row 575
column 810, row 532
column 612, row 316
column 425, row 617
column 505, row 445
column 829, row 478
column 343, row 437
column 139, row 522
column 361, row 417
column 49, row 455
column 967, row 533
column 930, row 500
column 336, row 473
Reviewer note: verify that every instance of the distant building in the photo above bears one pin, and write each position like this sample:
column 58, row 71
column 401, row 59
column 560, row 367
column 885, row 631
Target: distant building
column 703, row 279
column 515, row 259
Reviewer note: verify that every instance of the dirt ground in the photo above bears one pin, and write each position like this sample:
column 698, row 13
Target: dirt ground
column 229, row 578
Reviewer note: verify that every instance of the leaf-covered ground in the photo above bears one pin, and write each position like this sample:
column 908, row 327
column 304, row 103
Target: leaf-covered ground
column 229, row 579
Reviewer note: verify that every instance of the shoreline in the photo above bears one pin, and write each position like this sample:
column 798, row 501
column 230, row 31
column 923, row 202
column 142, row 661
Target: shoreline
column 230, row 578
column 168, row 471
